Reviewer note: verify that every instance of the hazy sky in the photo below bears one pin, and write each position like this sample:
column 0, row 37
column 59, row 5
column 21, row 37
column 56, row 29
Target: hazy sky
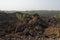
column 29, row 5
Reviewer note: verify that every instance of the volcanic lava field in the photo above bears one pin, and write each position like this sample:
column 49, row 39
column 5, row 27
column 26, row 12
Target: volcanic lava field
column 26, row 26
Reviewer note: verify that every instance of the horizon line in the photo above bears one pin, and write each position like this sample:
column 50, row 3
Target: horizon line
column 32, row 10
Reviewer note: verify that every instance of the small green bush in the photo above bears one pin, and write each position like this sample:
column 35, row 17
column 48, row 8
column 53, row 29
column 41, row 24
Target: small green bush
column 57, row 16
column 21, row 16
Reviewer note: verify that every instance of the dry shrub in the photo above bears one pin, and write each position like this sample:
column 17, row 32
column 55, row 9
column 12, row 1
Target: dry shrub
column 33, row 20
column 52, row 30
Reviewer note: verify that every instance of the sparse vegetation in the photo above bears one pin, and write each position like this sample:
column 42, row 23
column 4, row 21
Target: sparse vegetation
column 57, row 16
column 26, row 26
column 20, row 16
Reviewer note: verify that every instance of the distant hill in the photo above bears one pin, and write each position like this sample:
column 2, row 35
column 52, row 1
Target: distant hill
column 43, row 12
column 40, row 12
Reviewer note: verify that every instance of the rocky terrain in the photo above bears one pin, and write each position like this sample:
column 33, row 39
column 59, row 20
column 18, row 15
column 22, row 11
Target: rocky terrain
column 31, row 27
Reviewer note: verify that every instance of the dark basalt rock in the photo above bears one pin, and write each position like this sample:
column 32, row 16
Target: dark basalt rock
column 36, row 27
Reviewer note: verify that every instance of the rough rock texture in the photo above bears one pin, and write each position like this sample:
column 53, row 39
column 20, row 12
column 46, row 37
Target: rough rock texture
column 32, row 27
